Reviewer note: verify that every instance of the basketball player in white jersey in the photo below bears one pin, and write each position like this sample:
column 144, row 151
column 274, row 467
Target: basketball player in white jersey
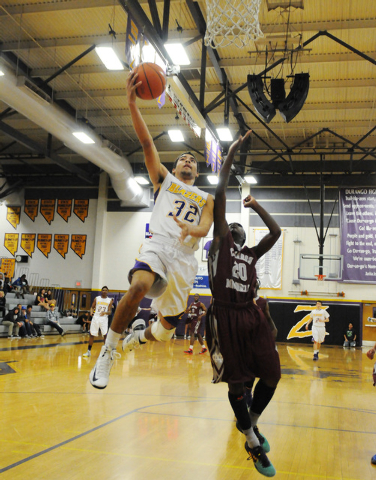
column 100, row 310
column 166, row 267
column 319, row 317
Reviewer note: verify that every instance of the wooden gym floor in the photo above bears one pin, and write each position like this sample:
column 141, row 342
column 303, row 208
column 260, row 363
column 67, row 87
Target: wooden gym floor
column 160, row 418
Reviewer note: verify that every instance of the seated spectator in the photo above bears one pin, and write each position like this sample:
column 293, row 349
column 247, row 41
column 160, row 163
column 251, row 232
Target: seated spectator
column 35, row 329
column 7, row 286
column 11, row 321
column 41, row 299
column 21, row 285
column 25, row 330
column 84, row 320
column 2, row 303
column 350, row 337
column 52, row 318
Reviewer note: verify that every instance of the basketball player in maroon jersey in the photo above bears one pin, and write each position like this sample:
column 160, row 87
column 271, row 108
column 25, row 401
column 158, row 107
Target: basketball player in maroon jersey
column 263, row 304
column 196, row 310
column 239, row 337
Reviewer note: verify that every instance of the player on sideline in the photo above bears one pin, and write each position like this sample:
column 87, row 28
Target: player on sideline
column 166, row 267
column 100, row 310
column 239, row 337
column 319, row 317
column 196, row 310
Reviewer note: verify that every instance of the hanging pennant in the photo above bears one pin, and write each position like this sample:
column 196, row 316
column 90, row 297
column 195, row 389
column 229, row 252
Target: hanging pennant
column 44, row 242
column 61, row 243
column 47, row 209
column 31, row 208
column 11, row 242
column 64, row 209
column 13, row 216
column 28, row 243
column 78, row 244
column 81, row 209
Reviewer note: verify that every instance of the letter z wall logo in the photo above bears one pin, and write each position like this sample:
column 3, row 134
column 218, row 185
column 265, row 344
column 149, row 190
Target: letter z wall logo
column 295, row 332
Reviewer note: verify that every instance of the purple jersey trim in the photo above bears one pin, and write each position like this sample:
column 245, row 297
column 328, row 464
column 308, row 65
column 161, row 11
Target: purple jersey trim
column 174, row 319
column 141, row 266
column 156, row 194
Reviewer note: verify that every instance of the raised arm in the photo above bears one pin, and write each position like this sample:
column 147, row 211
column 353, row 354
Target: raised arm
column 157, row 171
column 220, row 224
column 269, row 240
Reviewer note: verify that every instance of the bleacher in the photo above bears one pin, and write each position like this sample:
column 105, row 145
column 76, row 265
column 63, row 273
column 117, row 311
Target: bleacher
column 38, row 315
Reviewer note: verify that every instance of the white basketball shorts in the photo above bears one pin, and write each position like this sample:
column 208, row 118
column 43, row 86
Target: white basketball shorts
column 176, row 267
column 97, row 323
column 318, row 334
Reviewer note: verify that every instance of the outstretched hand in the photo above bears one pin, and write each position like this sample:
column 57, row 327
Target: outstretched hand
column 237, row 143
column 249, row 201
column 184, row 229
column 132, row 86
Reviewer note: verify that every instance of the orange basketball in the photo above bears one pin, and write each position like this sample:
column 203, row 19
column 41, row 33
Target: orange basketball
column 153, row 81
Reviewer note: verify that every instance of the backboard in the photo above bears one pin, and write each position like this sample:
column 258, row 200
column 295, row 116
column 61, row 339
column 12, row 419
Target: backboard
column 313, row 264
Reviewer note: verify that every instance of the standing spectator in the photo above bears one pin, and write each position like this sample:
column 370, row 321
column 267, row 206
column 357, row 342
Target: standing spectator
column 22, row 285
column 350, row 337
column 35, row 329
column 11, row 321
column 319, row 317
column 52, row 319
column 2, row 303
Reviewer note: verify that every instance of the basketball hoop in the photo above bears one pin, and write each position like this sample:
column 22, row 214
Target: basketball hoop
column 232, row 22
column 320, row 278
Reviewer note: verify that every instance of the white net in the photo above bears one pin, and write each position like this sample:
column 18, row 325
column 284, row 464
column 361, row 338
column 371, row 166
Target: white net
column 232, row 22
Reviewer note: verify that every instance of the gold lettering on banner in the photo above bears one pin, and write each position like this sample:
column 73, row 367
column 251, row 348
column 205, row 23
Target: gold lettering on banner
column 28, row 243
column 31, row 208
column 8, row 266
column 44, row 243
column 61, row 243
column 78, row 244
column 11, row 242
column 81, row 209
column 47, row 209
column 13, row 216
column 64, row 209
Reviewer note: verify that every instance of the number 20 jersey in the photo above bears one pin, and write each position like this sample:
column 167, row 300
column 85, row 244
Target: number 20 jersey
column 186, row 201
column 232, row 273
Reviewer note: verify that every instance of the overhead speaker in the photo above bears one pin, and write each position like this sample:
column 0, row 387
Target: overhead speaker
column 256, row 91
column 294, row 102
column 277, row 91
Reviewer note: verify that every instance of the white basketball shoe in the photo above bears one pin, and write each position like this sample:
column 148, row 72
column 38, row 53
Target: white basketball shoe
column 133, row 341
column 100, row 374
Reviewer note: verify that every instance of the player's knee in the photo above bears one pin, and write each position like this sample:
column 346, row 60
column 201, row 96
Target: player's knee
column 160, row 333
column 236, row 389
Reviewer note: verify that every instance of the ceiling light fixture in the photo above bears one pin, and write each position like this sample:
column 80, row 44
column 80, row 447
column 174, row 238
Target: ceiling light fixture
column 1, row 73
column 83, row 137
column 250, row 179
column 109, row 58
column 175, row 135
column 225, row 134
column 213, row 179
column 177, row 53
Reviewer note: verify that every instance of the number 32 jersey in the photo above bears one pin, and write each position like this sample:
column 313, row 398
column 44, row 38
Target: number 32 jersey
column 185, row 201
column 232, row 273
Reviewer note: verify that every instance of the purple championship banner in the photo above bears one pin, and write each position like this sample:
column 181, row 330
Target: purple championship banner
column 358, row 234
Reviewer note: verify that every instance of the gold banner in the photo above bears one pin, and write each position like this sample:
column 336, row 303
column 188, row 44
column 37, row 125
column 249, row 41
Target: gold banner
column 44, row 243
column 31, row 208
column 8, row 266
column 13, row 216
column 64, row 209
column 11, row 242
column 78, row 244
column 81, row 209
column 28, row 243
column 47, row 209
column 61, row 243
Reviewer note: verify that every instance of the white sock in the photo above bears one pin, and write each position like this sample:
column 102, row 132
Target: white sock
column 112, row 339
column 254, row 418
column 316, row 351
column 203, row 346
column 252, row 440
